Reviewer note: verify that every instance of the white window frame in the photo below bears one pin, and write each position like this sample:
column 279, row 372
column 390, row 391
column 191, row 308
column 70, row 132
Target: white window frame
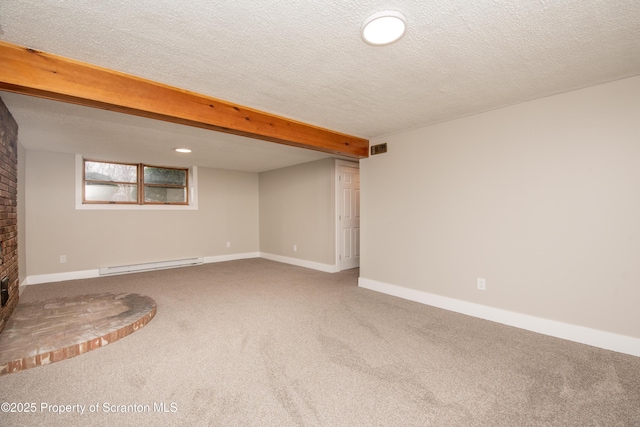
column 193, row 195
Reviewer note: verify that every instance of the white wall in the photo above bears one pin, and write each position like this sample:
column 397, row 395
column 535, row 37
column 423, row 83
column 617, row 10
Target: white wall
column 542, row 199
column 297, row 207
column 228, row 212
column 260, row 214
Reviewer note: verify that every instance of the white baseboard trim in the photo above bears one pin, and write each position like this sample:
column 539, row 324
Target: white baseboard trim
column 89, row 274
column 61, row 277
column 231, row 257
column 593, row 337
column 327, row 268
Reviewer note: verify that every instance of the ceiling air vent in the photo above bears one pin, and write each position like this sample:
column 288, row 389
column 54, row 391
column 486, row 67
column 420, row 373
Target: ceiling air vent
column 378, row 149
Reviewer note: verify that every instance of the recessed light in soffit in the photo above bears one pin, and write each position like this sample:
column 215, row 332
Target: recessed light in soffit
column 183, row 150
column 383, row 28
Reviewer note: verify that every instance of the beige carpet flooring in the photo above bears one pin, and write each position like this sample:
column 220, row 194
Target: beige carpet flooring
column 259, row 343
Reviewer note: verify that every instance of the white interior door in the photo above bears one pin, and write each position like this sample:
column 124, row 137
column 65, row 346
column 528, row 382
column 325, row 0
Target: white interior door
column 348, row 217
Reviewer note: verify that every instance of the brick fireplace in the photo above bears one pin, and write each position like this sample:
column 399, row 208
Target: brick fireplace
column 8, row 213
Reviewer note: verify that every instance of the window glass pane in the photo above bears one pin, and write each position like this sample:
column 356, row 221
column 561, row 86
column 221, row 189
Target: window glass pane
column 99, row 171
column 100, row 192
column 153, row 175
column 154, row 194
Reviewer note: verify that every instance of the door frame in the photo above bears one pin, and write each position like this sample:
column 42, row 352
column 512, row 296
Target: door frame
column 336, row 203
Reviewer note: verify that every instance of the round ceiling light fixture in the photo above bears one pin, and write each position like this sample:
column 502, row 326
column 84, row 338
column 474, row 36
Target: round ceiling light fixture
column 383, row 28
column 183, row 150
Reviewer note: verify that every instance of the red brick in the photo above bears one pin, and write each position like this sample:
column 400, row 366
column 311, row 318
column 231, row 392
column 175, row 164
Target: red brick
column 8, row 202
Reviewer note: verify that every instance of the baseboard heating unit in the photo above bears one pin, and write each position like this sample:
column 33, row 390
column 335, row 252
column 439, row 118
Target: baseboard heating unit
column 149, row 266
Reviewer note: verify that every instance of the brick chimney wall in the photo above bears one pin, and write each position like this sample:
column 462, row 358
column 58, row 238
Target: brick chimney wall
column 8, row 205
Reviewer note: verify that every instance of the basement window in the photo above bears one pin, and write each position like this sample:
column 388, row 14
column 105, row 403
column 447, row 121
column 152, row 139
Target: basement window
column 133, row 186
column 164, row 185
column 110, row 182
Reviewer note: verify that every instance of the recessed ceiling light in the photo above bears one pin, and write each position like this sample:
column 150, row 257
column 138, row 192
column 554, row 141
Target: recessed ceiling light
column 183, row 150
column 384, row 28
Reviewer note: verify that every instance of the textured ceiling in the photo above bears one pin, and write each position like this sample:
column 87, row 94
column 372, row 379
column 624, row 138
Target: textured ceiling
column 305, row 59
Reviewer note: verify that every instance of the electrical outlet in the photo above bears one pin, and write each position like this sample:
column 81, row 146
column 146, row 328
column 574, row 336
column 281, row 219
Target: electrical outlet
column 295, row 248
column 228, row 244
column 482, row 284
column 63, row 259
